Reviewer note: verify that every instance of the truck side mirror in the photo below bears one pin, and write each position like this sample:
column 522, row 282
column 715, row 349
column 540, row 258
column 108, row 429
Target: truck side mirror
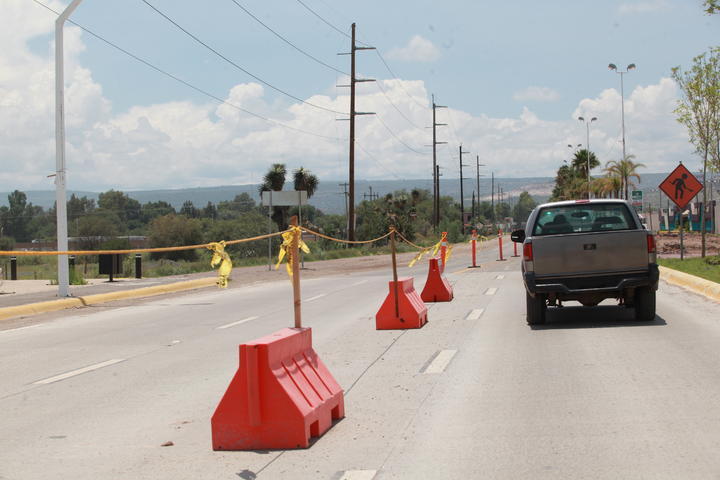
column 518, row 236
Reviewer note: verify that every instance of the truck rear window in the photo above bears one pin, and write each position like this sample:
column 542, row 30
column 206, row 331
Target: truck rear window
column 583, row 217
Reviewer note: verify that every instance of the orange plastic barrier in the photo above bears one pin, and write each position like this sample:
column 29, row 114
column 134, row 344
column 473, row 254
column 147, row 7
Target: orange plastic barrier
column 437, row 288
column 412, row 310
column 280, row 397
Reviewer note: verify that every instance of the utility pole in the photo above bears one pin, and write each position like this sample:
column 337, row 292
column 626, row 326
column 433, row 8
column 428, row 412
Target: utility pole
column 462, row 201
column 372, row 196
column 473, row 205
column 492, row 195
column 477, row 174
column 345, row 198
column 436, row 176
column 353, row 113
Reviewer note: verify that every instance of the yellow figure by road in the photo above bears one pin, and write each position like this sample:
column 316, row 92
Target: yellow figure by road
column 221, row 257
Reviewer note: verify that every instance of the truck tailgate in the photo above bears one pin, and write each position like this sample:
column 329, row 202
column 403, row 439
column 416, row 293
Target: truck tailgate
column 590, row 253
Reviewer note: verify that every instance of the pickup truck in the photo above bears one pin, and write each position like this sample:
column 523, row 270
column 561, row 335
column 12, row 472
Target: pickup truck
column 587, row 251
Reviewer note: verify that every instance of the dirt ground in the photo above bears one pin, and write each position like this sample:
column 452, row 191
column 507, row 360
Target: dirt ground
column 668, row 244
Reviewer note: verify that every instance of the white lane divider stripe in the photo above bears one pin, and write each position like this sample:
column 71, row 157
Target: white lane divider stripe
column 315, row 297
column 491, row 291
column 441, row 361
column 79, row 371
column 475, row 314
column 354, row 285
column 358, row 475
column 239, row 322
column 499, row 277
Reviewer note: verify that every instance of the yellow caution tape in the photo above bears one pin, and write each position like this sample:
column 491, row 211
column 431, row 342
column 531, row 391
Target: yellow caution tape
column 221, row 257
column 448, row 252
column 419, row 256
column 435, row 248
column 286, row 248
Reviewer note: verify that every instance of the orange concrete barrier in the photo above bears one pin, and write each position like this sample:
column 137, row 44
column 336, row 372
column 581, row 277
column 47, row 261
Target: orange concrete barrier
column 410, row 311
column 437, row 288
column 280, row 397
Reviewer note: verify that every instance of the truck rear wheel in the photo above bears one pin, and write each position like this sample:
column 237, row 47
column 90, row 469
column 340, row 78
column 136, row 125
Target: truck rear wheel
column 645, row 304
column 536, row 308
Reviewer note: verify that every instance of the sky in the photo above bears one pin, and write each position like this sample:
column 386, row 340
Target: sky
column 162, row 110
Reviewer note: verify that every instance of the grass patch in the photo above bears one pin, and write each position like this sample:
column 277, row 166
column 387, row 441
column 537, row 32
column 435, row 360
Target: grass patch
column 707, row 268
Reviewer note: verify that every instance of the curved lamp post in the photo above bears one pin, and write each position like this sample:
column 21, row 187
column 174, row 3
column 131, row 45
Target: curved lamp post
column 587, row 145
column 60, row 195
column 632, row 66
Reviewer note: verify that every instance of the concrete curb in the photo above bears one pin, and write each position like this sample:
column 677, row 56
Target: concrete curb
column 695, row 284
column 63, row 303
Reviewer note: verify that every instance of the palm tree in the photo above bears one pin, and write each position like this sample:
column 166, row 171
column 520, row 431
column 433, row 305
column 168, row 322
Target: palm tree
column 274, row 179
column 580, row 161
column 304, row 180
column 625, row 169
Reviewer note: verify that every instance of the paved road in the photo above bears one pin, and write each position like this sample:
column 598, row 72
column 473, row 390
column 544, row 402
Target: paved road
column 476, row 393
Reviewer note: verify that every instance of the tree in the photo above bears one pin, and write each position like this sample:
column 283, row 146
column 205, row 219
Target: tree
column 79, row 206
column 151, row 210
column 274, row 180
column 699, row 109
column 304, row 180
column 571, row 181
column 210, row 211
column 189, row 210
column 127, row 209
column 174, row 231
column 625, row 170
column 711, row 6
column 93, row 230
column 524, row 206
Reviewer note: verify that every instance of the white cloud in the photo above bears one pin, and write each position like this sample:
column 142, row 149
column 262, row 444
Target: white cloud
column 185, row 144
column 536, row 94
column 646, row 6
column 418, row 49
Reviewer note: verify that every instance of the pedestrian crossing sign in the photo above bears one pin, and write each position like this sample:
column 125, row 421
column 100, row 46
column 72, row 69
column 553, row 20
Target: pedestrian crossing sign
column 681, row 186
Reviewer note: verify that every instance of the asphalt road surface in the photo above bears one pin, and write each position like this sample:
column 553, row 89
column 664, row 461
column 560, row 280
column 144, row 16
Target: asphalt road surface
column 476, row 393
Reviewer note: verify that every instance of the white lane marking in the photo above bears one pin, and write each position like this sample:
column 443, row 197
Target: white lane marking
column 239, row 322
column 499, row 277
column 358, row 475
column 19, row 328
column 475, row 314
column 353, row 285
column 491, row 291
column 315, row 297
column 440, row 361
column 79, row 371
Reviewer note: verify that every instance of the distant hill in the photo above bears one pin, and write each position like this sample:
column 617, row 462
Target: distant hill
column 329, row 196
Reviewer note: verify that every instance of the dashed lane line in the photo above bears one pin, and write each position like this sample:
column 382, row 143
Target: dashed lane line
column 239, row 322
column 79, row 371
column 500, row 277
column 475, row 314
column 440, row 362
column 315, row 297
column 358, row 475
column 491, row 291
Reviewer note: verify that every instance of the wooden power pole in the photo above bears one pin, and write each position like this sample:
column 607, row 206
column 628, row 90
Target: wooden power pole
column 353, row 113
column 462, row 201
column 436, row 176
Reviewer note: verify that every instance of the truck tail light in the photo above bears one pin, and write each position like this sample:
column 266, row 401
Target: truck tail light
column 651, row 244
column 527, row 252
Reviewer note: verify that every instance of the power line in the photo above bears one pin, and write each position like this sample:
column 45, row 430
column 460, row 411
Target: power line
column 397, row 78
column 187, row 84
column 264, row 82
column 323, row 20
column 396, row 108
column 378, row 162
column 287, row 41
column 398, row 138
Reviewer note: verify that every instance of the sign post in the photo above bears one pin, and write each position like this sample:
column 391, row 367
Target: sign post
column 637, row 200
column 681, row 187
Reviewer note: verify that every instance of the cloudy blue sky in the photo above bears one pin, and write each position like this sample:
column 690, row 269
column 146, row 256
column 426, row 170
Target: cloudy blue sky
column 515, row 76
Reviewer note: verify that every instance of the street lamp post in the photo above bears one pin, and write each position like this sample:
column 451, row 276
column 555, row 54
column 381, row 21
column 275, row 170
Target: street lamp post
column 60, row 195
column 587, row 147
column 612, row 66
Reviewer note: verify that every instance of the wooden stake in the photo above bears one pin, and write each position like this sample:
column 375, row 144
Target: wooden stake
column 395, row 276
column 296, row 271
